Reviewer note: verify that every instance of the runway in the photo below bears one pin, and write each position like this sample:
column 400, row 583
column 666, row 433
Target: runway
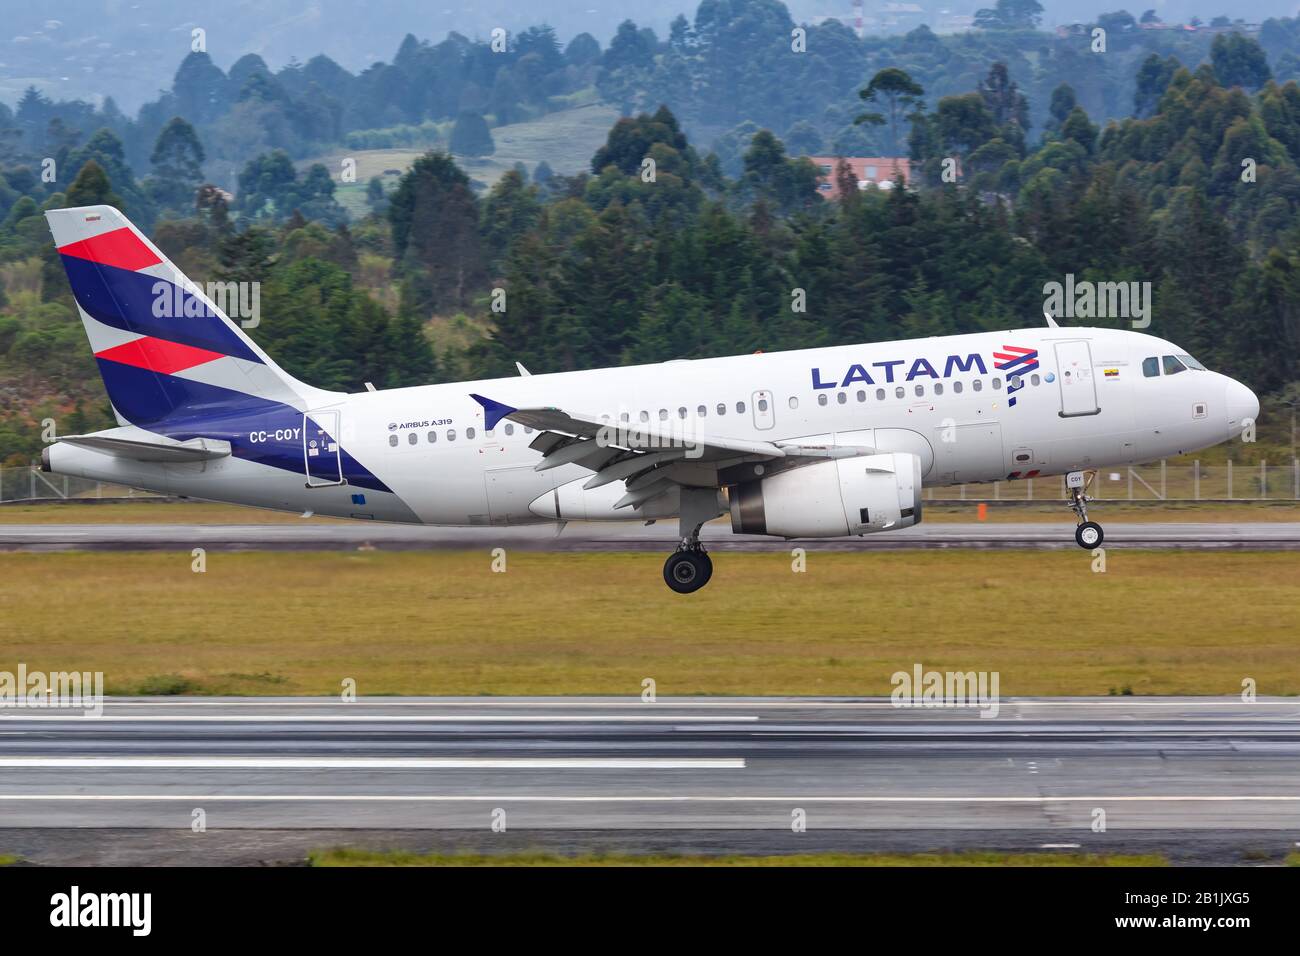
column 584, row 764
column 630, row 536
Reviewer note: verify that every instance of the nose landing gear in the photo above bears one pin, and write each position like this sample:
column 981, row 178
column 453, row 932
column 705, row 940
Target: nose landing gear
column 1088, row 534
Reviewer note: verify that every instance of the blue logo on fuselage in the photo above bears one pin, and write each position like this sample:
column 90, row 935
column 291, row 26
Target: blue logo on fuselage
column 918, row 369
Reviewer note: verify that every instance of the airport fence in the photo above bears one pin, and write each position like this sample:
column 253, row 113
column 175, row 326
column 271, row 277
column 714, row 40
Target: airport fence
column 1180, row 481
column 1159, row 481
column 29, row 483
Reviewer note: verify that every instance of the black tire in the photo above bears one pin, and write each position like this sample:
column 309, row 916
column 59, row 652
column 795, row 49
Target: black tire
column 687, row 571
column 708, row 567
column 1089, row 535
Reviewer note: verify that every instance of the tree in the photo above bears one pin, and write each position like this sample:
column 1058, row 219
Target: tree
column 900, row 92
column 1239, row 60
column 435, row 222
column 1010, row 15
column 471, row 136
column 177, row 165
column 92, row 188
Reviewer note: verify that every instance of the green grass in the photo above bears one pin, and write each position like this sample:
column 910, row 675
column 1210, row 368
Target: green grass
column 442, row 623
column 351, row 857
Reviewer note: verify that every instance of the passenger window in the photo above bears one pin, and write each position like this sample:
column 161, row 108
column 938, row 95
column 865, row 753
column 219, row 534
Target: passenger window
column 841, row 398
column 1151, row 367
column 1033, row 379
column 977, row 385
column 899, row 392
column 645, row 416
column 920, row 390
column 451, row 434
column 702, row 411
column 956, row 387
column 794, row 402
column 1014, row 381
column 681, row 412
column 997, row 383
column 433, row 437
column 821, row 399
column 469, row 433
column 740, row 408
column 762, row 404
column 880, row 394
column 663, row 414
column 722, row 408
column 510, row 430
column 528, row 429
column 392, row 440
column 938, row 388
column 1173, row 366
column 412, row 438
column 624, row 417
column 862, row 396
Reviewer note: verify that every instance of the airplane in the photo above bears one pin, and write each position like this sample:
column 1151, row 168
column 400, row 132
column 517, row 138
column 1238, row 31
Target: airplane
column 811, row 443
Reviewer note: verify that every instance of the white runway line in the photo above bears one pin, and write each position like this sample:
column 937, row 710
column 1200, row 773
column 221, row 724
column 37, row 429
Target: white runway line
column 530, row 798
column 381, row 718
column 668, row 704
column 376, row 763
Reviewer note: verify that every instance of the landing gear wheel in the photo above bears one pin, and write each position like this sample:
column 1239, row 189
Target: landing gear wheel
column 1089, row 535
column 687, row 571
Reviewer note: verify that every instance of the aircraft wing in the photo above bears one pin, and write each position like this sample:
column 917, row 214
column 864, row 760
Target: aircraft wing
column 649, row 459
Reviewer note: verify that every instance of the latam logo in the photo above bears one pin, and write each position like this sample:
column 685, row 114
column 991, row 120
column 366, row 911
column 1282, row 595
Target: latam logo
column 1017, row 362
column 917, row 369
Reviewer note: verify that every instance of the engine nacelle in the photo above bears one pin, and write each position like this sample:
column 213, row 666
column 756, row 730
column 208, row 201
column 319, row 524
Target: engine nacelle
column 842, row 496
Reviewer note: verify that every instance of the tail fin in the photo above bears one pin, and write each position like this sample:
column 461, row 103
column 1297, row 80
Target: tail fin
column 165, row 350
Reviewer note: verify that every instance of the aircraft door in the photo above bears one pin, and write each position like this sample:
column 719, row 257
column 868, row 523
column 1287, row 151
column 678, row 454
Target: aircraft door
column 320, row 448
column 1077, row 384
column 764, row 413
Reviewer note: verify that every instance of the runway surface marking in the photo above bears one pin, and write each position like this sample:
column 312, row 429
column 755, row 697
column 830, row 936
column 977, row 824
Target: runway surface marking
column 384, row 718
column 681, row 798
column 380, row 763
column 745, row 703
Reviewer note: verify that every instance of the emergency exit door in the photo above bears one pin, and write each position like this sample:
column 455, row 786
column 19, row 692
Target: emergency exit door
column 1077, row 384
column 320, row 448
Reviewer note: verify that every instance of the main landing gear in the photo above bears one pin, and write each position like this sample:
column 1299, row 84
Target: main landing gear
column 1088, row 534
column 689, row 567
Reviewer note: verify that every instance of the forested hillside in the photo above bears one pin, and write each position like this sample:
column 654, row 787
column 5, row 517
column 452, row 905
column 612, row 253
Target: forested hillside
column 1173, row 159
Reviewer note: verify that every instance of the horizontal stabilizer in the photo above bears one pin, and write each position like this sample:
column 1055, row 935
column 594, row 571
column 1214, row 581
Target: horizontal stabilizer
column 196, row 449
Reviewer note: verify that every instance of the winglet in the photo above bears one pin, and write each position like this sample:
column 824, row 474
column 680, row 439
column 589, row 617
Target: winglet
column 493, row 412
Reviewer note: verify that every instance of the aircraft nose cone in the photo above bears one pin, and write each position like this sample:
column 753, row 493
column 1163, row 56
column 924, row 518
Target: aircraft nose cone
column 1242, row 406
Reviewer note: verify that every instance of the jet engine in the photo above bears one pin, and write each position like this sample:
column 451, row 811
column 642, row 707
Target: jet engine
column 841, row 496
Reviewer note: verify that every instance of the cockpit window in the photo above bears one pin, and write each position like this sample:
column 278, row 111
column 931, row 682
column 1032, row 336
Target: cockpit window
column 1172, row 365
column 1151, row 367
column 1191, row 363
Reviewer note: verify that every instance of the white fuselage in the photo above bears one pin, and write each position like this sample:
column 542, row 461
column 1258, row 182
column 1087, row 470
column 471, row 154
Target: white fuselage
column 1086, row 404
